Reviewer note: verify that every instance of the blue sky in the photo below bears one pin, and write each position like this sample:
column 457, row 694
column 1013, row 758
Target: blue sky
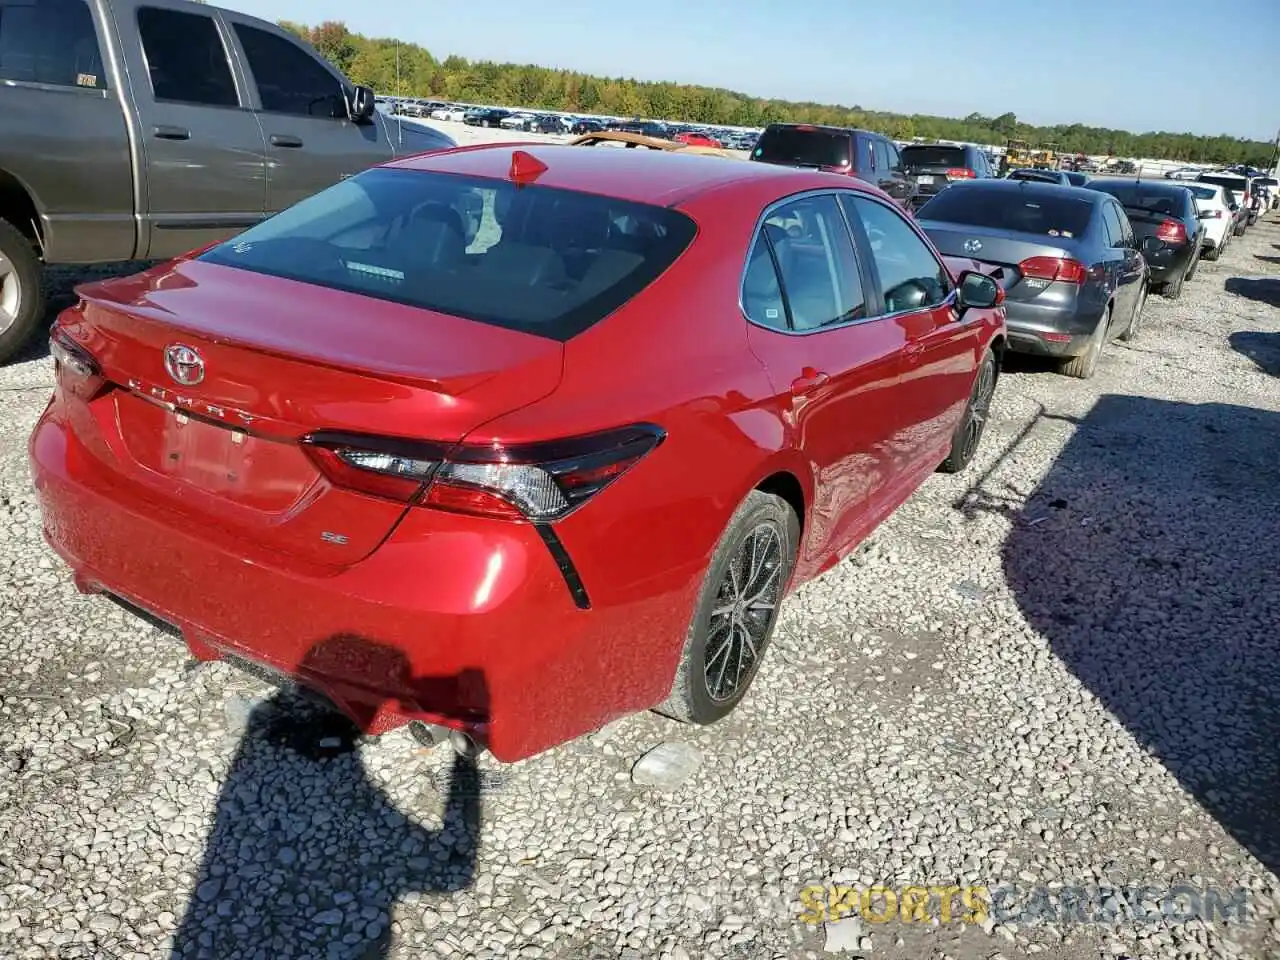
column 1178, row 65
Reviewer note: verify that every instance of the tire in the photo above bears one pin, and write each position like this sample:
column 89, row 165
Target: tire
column 1135, row 324
column 702, row 693
column 1238, row 231
column 1172, row 289
column 968, row 436
column 1195, row 265
column 1083, row 366
column 1215, row 253
column 21, row 291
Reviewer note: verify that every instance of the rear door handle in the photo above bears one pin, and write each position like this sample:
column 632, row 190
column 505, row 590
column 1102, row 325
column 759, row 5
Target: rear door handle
column 165, row 132
column 808, row 381
column 285, row 140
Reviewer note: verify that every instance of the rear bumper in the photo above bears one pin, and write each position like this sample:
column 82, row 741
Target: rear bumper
column 1169, row 263
column 1048, row 331
column 454, row 620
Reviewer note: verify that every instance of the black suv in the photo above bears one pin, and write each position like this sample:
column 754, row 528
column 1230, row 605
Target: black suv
column 857, row 153
column 935, row 166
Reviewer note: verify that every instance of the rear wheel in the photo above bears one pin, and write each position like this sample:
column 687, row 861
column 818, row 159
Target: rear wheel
column 737, row 610
column 1172, row 289
column 1083, row 366
column 1195, row 265
column 21, row 292
column 968, row 435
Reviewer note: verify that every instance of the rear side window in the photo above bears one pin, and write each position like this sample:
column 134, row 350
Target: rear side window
column 810, row 245
column 185, row 58
column 804, row 146
column 50, row 41
column 934, row 157
column 1000, row 208
column 1111, row 221
column 545, row 261
column 288, row 79
column 911, row 277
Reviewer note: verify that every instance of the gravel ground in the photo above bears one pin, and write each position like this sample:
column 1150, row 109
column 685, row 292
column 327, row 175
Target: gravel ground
column 1056, row 671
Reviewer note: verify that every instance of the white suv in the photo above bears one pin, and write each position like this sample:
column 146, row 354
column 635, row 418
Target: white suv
column 1215, row 213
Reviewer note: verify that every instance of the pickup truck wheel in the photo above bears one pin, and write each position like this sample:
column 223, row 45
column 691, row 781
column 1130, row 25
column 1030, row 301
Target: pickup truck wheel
column 21, row 293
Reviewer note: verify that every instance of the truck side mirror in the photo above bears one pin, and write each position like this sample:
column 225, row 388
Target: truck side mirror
column 360, row 104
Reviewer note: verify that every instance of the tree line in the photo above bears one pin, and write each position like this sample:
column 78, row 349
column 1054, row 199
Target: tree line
column 394, row 68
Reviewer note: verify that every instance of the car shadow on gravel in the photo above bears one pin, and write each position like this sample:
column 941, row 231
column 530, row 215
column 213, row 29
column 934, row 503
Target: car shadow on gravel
column 308, row 855
column 1262, row 348
column 1147, row 557
column 1264, row 290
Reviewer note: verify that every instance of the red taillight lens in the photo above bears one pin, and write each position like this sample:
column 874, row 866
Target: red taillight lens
column 75, row 368
column 1063, row 269
column 1171, row 231
column 960, row 173
column 539, row 482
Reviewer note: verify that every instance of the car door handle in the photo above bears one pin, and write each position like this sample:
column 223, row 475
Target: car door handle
column 285, row 140
column 166, row 132
column 914, row 350
column 808, row 381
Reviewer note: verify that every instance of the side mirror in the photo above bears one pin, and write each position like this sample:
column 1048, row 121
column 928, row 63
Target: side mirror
column 360, row 104
column 1152, row 245
column 978, row 290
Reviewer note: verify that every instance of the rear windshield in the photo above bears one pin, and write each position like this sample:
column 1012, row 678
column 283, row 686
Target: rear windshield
column 1231, row 183
column 1151, row 198
column 541, row 260
column 1202, row 193
column 1020, row 210
column 933, row 157
column 804, row 147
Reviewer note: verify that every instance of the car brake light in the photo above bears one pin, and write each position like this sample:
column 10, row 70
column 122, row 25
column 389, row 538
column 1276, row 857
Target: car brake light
column 1171, row 231
column 74, row 366
column 1050, row 269
column 540, row 482
column 961, row 173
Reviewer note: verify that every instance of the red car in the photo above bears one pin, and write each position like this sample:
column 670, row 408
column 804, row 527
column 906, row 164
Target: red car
column 691, row 139
column 511, row 442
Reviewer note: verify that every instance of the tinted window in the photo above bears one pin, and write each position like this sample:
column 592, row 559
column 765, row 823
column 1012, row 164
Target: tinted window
column 895, row 158
column 1147, row 197
column 551, row 262
column 805, row 146
column 1111, row 222
column 1026, row 210
column 814, row 253
column 880, row 155
column 50, row 41
column 911, row 277
column 761, row 291
column 290, row 80
column 934, row 156
column 185, row 58
column 1203, row 193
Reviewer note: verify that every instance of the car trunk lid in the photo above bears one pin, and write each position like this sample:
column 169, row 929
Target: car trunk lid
column 1005, row 252
column 225, row 448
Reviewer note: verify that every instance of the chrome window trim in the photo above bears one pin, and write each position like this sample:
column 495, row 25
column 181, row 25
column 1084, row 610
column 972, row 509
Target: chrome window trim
column 757, row 234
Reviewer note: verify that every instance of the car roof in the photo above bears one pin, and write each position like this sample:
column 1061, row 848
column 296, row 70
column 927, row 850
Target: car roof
column 1029, row 187
column 656, row 177
column 1169, row 186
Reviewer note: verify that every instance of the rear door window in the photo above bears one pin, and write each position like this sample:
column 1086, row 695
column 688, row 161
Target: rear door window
column 911, row 277
column 289, row 80
column 803, row 146
column 185, row 57
column 50, row 41
column 546, row 261
column 997, row 207
column 1111, row 223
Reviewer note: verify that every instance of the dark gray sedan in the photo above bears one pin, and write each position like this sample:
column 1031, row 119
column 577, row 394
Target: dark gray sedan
column 1072, row 269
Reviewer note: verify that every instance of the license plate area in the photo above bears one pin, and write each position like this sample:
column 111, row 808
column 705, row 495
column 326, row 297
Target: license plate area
column 926, row 178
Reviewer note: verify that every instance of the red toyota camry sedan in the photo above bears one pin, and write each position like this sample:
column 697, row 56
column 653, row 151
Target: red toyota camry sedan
column 512, row 440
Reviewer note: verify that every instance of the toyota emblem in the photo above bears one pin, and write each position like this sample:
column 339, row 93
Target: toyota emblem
column 184, row 364
column 972, row 246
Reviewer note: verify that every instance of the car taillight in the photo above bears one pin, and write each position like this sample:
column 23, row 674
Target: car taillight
column 540, row 482
column 1063, row 269
column 960, row 173
column 74, row 366
column 1171, row 231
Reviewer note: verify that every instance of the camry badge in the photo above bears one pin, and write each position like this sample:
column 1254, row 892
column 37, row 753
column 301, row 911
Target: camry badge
column 184, row 364
column 972, row 246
